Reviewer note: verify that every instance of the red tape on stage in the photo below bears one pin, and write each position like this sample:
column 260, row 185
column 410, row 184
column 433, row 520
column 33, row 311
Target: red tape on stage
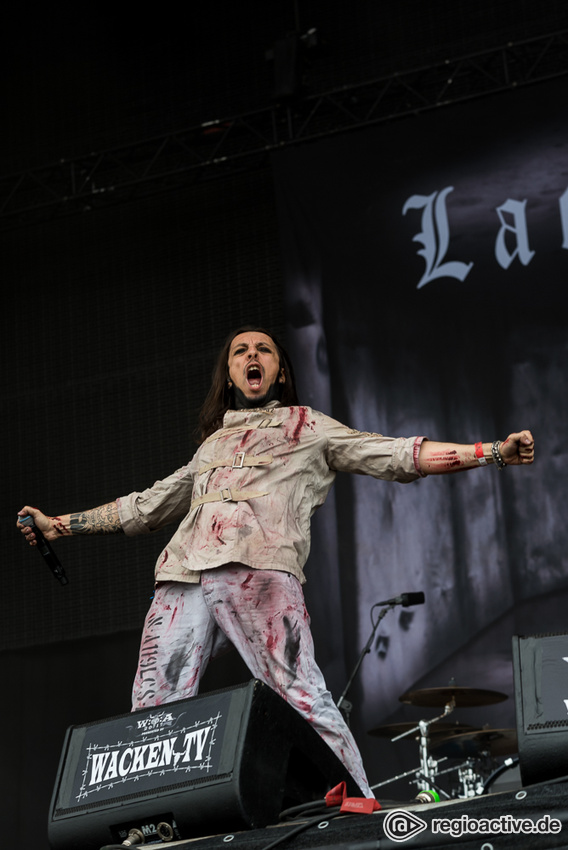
column 336, row 796
column 355, row 805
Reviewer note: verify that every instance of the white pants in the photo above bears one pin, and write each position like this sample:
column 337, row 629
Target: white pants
column 263, row 614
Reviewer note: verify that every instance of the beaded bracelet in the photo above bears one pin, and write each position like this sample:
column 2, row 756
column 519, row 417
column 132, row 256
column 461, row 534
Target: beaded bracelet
column 499, row 462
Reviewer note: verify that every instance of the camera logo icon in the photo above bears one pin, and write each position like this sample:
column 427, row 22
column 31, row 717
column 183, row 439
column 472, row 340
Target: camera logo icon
column 400, row 825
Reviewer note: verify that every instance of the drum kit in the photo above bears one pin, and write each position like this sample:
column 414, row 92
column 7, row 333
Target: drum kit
column 439, row 740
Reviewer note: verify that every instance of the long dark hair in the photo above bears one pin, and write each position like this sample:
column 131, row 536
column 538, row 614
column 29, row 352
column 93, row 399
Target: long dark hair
column 220, row 397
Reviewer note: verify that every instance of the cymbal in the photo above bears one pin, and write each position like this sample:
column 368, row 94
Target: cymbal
column 496, row 742
column 463, row 697
column 436, row 730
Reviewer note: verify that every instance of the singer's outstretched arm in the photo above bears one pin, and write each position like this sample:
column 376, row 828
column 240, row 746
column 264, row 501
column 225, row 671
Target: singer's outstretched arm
column 101, row 520
column 439, row 458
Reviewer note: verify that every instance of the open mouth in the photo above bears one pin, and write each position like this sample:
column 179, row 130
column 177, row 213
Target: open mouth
column 254, row 376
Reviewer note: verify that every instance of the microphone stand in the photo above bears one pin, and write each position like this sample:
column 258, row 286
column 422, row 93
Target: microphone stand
column 344, row 705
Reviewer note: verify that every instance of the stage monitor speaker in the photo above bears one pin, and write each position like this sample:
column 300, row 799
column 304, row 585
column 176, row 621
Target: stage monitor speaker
column 540, row 670
column 228, row 760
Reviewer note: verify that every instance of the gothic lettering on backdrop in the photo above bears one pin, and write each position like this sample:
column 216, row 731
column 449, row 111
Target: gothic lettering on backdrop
column 435, row 237
column 512, row 240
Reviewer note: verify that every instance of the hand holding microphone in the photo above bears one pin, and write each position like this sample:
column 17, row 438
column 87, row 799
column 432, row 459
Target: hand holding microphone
column 27, row 519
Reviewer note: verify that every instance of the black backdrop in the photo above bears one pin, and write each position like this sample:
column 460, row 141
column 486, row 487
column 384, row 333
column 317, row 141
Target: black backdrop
column 109, row 328
column 112, row 326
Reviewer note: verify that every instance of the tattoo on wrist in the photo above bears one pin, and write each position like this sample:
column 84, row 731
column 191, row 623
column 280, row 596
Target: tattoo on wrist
column 103, row 520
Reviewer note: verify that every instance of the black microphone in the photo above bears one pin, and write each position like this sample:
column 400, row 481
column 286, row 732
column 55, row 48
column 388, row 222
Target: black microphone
column 405, row 599
column 45, row 550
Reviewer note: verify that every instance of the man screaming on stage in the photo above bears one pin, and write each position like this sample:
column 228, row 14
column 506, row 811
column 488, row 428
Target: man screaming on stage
column 233, row 571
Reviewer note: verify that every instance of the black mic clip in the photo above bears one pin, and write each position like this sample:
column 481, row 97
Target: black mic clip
column 45, row 550
column 405, row 599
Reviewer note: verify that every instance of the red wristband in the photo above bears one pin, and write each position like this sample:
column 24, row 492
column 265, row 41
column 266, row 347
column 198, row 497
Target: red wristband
column 479, row 454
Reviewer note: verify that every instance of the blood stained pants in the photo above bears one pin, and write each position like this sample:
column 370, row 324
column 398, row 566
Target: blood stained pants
column 263, row 614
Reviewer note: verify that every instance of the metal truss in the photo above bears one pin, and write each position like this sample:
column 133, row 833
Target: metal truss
column 223, row 147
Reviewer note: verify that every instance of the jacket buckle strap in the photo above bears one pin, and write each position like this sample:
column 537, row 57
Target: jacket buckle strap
column 226, row 495
column 238, row 460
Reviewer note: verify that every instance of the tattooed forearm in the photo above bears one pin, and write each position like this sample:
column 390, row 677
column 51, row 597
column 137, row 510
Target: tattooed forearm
column 101, row 520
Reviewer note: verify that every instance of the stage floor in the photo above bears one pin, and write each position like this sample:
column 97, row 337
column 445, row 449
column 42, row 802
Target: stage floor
column 534, row 817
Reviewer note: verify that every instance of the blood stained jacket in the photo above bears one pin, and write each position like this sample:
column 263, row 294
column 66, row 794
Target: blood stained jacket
column 249, row 492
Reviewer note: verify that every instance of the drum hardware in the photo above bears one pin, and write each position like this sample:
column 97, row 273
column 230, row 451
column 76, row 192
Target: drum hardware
column 426, row 783
column 478, row 751
column 471, row 781
column 428, row 765
column 427, row 772
column 475, row 744
column 460, row 697
column 438, row 730
column 415, row 771
column 451, row 740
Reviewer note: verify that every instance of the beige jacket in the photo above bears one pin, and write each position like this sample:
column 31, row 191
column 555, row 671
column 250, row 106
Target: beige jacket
column 249, row 492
